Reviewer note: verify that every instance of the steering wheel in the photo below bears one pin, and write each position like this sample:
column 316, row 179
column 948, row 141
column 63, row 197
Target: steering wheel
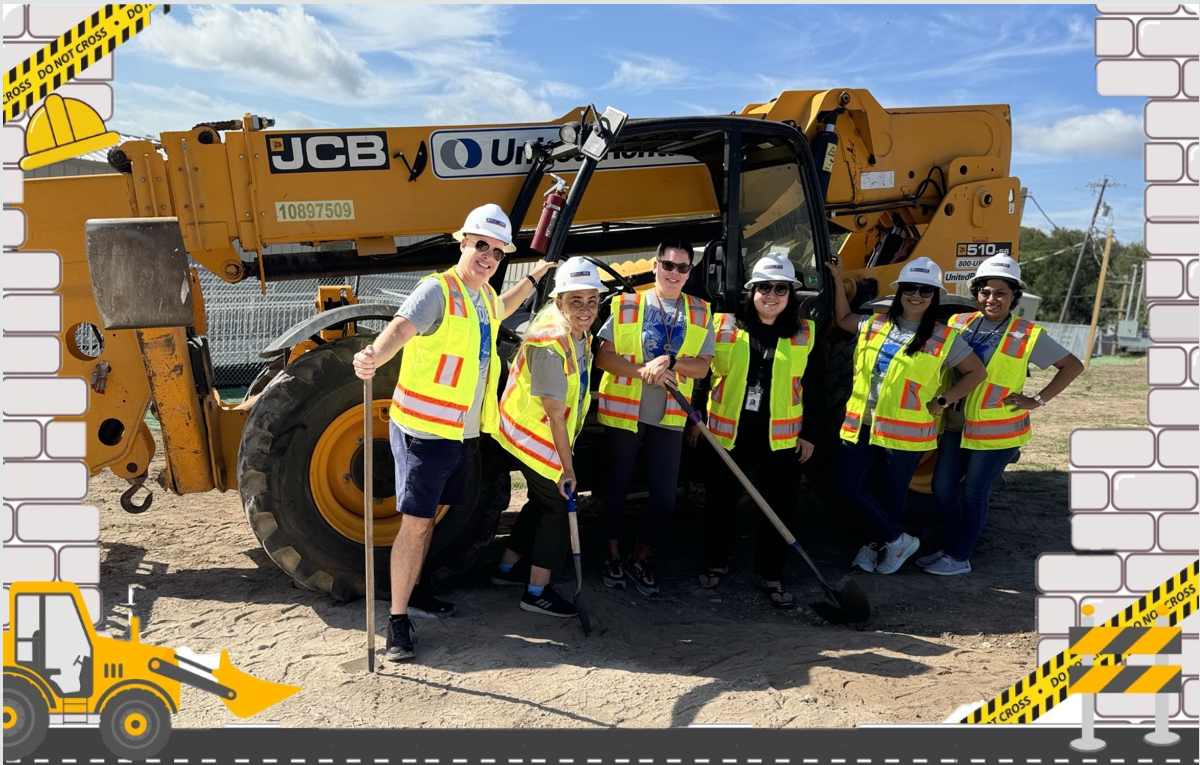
column 606, row 268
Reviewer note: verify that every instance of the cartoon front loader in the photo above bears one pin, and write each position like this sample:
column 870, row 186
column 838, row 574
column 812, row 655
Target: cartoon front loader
column 58, row 671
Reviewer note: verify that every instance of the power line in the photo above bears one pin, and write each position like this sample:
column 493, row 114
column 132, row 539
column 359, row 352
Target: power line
column 1030, row 197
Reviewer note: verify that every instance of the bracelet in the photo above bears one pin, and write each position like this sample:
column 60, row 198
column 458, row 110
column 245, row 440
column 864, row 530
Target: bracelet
column 671, row 365
column 532, row 280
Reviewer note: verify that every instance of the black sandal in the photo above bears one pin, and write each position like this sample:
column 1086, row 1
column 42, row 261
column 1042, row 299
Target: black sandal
column 774, row 592
column 713, row 574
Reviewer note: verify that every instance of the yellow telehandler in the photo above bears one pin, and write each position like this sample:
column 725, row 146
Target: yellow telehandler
column 793, row 175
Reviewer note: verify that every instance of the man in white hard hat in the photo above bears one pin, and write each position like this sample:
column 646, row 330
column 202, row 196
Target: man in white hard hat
column 445, row 398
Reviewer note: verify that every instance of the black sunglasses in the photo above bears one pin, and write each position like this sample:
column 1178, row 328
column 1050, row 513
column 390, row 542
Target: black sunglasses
column 668, row 265
column 482, row 246
column 924, row 289
column 765, row 288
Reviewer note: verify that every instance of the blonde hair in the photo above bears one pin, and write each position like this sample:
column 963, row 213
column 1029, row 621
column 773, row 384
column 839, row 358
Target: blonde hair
column 549, row 321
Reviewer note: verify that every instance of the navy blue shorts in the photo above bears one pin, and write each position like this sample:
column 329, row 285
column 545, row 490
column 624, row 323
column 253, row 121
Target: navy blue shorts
column 429, row 472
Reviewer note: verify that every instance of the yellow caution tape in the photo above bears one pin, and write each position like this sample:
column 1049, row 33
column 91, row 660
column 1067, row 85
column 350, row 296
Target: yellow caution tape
column 1044, row 688
column 78, row 48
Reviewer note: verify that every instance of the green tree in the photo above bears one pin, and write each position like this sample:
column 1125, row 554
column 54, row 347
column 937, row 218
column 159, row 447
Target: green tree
column 1047, row 261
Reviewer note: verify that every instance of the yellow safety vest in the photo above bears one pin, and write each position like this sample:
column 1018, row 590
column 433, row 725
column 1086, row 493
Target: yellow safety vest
column 901, row 420
column 730, row 366
column 439, row 372
column 620, row 397
column 524, row 426
column 989, row 424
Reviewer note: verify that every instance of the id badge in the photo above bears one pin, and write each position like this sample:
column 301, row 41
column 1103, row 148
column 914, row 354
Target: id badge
column 754, row 398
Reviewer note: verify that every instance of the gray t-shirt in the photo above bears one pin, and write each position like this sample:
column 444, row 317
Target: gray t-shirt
column 984, row 337
column 898, row 337
column 425, row 308
column 546, row 375
column 655, row 326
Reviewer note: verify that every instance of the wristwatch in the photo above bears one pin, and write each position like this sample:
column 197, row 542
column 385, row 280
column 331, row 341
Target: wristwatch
column 941, row 400
column 671, row 365
column 1038, row 398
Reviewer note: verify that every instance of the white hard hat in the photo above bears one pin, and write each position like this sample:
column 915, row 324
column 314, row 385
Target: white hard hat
column 773, row 268
column 1000, row 267
column 488, row 220
column 576, row 274
column 920, row 271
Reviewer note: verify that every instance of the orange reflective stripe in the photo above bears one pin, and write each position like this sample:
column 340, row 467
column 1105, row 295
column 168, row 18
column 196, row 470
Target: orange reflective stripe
column 697, row 313
column 618, row 406
column 625, row 380
column 429, row 409
column 912, row 396
column 990, row 430
column 718, row 391
column 629, row 312
column 851, row 422
column 1017, row 339
column 797, row 391
column 963, row 320
column 458, row 300
column 876, row 326
column 529, row 443
column 782, row 430
column 727, row 329
column 802, row 337
column 430, row 399
column 937, row 341
column 721, row 426
column 993, row 396
column 905, row 431
column 449, row 368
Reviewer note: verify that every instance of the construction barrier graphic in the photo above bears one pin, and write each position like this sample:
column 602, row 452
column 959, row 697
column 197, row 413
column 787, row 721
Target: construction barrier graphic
column 78, row 48
column 1120, row 679
column 1047, row 686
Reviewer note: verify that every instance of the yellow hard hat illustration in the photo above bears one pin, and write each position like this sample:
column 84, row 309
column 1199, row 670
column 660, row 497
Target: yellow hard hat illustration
column 63, row 128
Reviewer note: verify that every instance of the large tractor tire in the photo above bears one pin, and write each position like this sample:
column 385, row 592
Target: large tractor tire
column 135, row 724
column 300, row 474
column 26, row 718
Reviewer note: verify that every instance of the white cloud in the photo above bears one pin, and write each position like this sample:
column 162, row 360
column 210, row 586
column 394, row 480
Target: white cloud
column 552, row 89
column 285, row 51
column 365, row 28
column 484, row 96
column 150, row 110
column 641, row 73
column 1110, row 133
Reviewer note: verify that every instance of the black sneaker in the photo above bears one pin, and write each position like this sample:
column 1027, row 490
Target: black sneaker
column 422, row 605
column 549, row 603
column 639, row 572
column 517, row 575
column 614, row 575
column 400, row 638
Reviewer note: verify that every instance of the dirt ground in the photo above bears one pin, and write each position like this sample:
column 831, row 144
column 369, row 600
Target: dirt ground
column 689, row 656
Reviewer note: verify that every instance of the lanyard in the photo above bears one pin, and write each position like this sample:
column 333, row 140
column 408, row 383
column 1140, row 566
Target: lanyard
column 766, row 352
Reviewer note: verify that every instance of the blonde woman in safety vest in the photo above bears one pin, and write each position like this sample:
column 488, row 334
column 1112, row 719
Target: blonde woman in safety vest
column 445, row 397
column 541, row 412
column 653, row 339
column 986, row 430
column 756, row 411
column 900, row 380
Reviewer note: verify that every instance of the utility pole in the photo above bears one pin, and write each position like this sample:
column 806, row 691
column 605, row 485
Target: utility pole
column 1087, row 359
column 1062, row 315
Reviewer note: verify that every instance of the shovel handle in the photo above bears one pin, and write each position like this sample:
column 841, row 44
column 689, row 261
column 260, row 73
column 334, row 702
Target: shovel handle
column 573, row 524
column 694, row 416
column 369, row 514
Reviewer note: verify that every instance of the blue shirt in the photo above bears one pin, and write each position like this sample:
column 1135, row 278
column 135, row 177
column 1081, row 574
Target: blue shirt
column 656, row 325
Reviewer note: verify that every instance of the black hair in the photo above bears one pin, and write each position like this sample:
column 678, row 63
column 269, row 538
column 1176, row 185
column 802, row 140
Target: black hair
column 787, row 324
column 675, row 244
column 925, row 328
column 981, row 282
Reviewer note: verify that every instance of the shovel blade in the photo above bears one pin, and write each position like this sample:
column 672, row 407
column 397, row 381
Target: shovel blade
column 848, row 605
column 585, row 621
column 253, row 695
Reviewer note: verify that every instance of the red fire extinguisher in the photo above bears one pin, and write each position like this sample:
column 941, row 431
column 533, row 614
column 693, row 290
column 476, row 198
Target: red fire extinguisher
column 556, row 197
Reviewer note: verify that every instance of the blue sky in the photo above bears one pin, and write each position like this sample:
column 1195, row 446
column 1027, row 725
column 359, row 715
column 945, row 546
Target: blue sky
column 358, row 66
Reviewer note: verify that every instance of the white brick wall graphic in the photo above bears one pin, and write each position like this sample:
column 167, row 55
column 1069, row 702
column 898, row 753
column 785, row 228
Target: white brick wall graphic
column 1134, row 493
column 47, row 533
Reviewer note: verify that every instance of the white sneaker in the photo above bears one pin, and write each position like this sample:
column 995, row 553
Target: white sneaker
column 925, row 561
column 866, row 558
column 948, row 566
column 895, row 555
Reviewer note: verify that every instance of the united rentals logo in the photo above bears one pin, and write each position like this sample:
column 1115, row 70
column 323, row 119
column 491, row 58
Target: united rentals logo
column 497, row 152
column 328, row 152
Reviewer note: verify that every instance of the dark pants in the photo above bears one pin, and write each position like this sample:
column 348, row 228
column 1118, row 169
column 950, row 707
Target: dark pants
column 964, row 519
column 881, row 504
column 775, row 475
column 541, row 533
column 429, row 471
column 662, row 450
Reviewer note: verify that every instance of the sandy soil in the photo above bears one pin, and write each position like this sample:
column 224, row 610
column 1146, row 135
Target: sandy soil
column 690, row 656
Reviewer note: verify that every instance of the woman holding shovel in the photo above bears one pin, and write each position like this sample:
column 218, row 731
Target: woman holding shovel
column 541, row 412
column 756, row 412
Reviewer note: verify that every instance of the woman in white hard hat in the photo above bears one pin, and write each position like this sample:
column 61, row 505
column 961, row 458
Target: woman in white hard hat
column 756, row 411
column 900, row 366
column 541, row 412
column 985, row 431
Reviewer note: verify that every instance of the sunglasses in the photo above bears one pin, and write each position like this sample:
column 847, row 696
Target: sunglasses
column 482, row 246
column 668, row 265
column 923, row 289
column 765, row 288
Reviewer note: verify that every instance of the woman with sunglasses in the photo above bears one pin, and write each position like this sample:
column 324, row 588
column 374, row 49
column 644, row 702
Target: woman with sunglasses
column 987, row 430
column 652, row 339
column 900, row 373
column 756, row 411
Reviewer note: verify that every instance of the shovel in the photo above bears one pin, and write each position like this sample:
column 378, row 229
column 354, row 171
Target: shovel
column 573, row 519
column 848, row 605
column 357, row 666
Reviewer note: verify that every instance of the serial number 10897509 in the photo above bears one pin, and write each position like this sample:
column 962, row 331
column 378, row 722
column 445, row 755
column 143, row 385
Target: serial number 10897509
column 333, row 209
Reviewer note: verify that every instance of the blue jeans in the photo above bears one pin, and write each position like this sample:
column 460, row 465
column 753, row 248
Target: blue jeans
column 882, row 504
column 964, row 519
